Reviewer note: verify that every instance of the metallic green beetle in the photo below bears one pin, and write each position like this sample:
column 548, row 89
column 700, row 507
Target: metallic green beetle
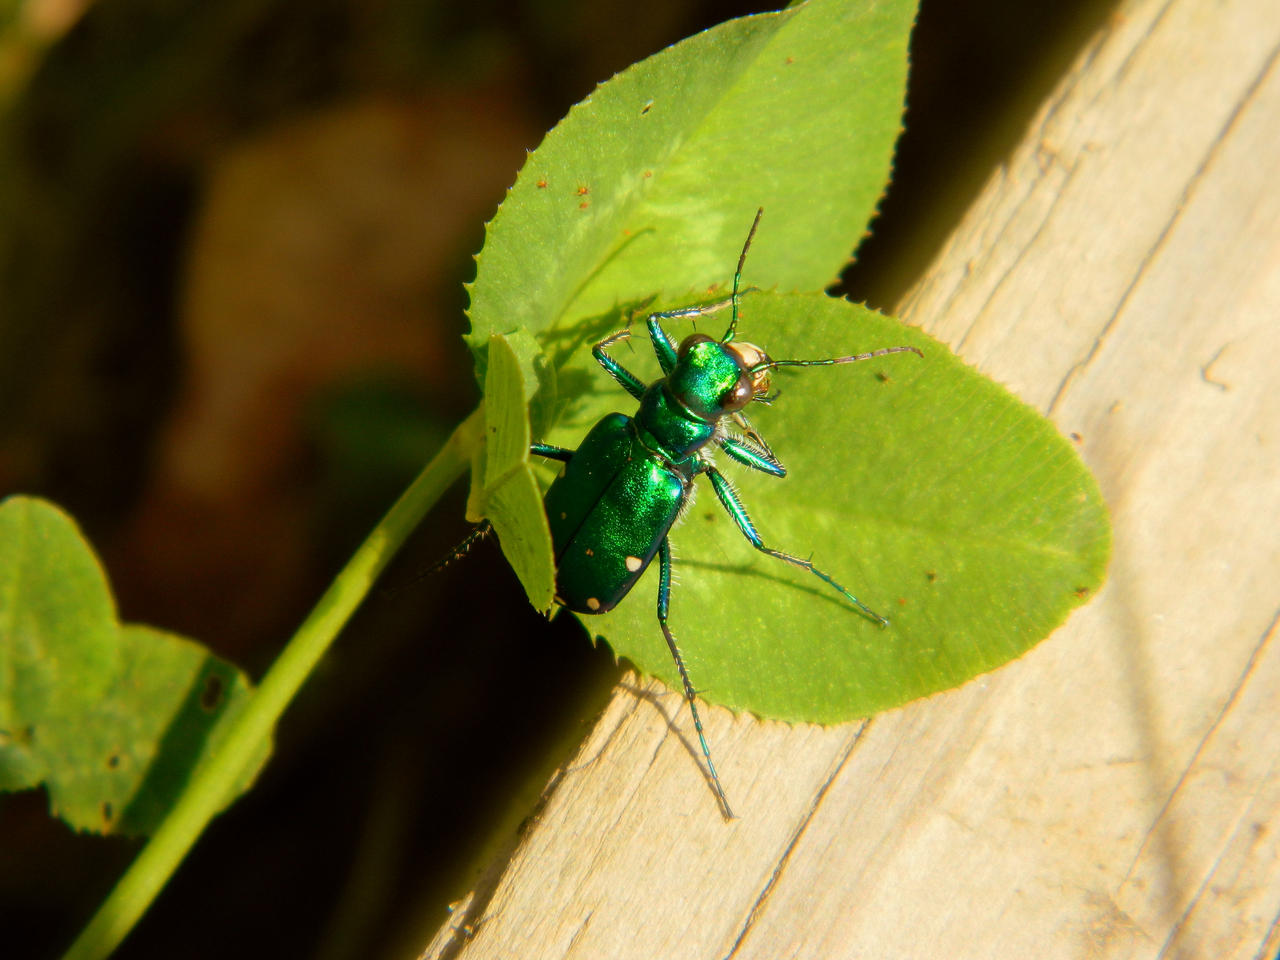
column 622, row 490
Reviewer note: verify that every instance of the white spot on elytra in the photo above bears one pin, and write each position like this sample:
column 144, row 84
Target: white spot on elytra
column 633, row 564
column 593, row 603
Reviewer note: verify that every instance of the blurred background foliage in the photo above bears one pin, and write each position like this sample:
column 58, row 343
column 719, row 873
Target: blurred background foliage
column 233, row 238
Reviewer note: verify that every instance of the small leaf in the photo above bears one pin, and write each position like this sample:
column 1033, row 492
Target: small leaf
column 112, row 718
column 927, row 490
column 505, row 490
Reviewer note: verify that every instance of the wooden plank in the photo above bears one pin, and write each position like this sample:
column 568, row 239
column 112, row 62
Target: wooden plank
column 1114, row 792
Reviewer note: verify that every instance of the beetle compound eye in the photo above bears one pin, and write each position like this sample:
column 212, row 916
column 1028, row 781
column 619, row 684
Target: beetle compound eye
column 691, row 341
column 739, row 395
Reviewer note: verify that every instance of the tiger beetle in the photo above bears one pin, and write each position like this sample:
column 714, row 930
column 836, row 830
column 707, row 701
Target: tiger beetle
column 626, row 485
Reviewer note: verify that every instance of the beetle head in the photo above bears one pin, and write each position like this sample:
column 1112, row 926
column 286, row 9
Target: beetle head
column 712, row 378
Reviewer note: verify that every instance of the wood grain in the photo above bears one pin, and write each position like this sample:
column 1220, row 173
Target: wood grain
column 1114, row 792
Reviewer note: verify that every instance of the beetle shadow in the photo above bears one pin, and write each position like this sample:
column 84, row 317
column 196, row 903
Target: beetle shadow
column 817, row 589
column 618, row 250
column 560, row 343
column 659, row 700
column 578, row 386
column 694, row 751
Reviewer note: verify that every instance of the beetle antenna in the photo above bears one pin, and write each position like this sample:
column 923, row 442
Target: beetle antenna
column 478, row 533
column 737, row 278
column 772, row 364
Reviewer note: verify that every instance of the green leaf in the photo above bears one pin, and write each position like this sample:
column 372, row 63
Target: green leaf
column 112, row 718
column 505, row 489
column 651, row 182
column 927, row 490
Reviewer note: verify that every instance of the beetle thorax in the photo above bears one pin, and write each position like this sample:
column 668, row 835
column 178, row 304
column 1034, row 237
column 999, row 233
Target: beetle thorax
column 665, row 427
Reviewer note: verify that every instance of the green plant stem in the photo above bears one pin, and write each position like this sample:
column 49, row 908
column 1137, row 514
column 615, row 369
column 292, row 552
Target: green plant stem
column 206, row 793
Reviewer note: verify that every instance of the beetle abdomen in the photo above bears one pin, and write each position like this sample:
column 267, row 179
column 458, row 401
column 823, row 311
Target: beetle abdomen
column 608, row 512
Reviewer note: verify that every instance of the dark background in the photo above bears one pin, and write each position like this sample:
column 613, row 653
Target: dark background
column 232, row 251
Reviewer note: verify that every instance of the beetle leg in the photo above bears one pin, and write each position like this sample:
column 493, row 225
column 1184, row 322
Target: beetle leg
column 478, row 533
column 624, row 377
column 550, row 452
column 663, row 345
column 751, row 451
column 664, row 603
column 739, row 513
column 751, row 433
